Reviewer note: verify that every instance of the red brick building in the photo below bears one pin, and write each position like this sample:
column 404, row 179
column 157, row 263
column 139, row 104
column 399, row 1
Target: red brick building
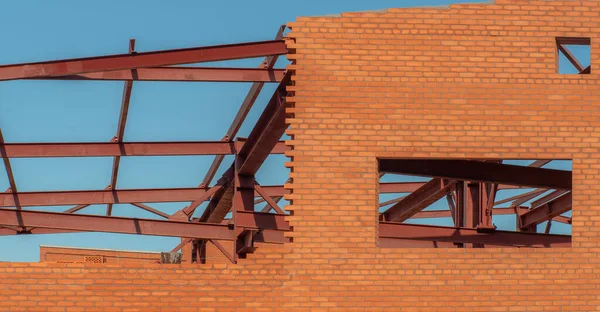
column 466, row 82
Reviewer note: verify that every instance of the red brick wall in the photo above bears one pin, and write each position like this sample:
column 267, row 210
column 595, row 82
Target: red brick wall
column 470, row 81
column 63, row 254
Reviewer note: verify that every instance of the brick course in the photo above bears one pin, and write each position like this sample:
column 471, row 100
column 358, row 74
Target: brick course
column 470, row 80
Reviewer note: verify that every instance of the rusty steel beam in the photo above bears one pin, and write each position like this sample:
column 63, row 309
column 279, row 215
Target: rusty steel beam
column 573, row 40
column 268, row 198
column 547, row 211
column 399, row 187
column 112, row 149
column 391, row 201
column 428, row 214
column 271, row 225
column 271, row 237
column 35, row 231
column 268, row 207
column 480, row 172
column 76, row 208
column 496, row 211
column 152, row 210
column 224, row 251
column 123, row 196
column 243, row 111
column 586, row 70
column 11, row 178
column 266, row 133
column 144, row 59
column 92, row 223
column 184, row 241
column 562, row 219
column 408, row 187
column 189, row 210
column 470, row 236
column 102, row 197
column 121, row 127
column 539, row 163
column 551, row 196
column 182, row 74
column 260, row 220
column 221, row 201
column 527, row 196
column 570, row 57
column 416, row 201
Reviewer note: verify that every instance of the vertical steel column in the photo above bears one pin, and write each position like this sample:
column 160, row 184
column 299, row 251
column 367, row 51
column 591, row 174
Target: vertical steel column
column 459, row 218
column 459, row 207
column 487, row 195
column 473, row 208
column 472, row 205
column 243, row 200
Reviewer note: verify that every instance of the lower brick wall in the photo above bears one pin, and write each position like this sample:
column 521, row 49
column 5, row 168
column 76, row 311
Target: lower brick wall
column 377, row 280
column 255, row 282
column 72, row 254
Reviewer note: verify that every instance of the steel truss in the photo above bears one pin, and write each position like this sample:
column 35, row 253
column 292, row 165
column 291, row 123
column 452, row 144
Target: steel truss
column 470, row 187
column 233, row 192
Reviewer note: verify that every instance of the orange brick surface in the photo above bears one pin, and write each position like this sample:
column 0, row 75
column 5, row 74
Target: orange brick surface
column 70, row 254
column 471, row 80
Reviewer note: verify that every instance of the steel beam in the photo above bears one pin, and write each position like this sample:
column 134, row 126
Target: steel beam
column 573, row 40
column 399, row 187
column 479, row 171
column 144, row 59
column 416, row 201
column 221, row 201
column 268, row 198
column 408, row 187
column 428, row 214
column 11, row 179
column 182, row 74
column 121, row 127
column 570, row 57
column 391, row 201
column 487, row 195
column 547, row 211
column 527, row 196
column 152, row 210
column 260, row 220
column 189, row 210
column 266, row 133
column 36, row 231
column 470, row 236
column 551, row 196
column 267, row 206
column 539, row 163
column 102, row 197
column 111, row 149
column 123, row 196
column 91, row 223
column 243, row 111
column 562, row 219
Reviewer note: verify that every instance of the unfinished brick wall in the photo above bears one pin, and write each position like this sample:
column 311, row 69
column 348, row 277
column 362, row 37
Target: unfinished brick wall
column 469, row 81
column 81, row 255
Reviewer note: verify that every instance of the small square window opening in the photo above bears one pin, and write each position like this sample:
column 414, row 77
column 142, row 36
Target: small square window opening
column 573, row 55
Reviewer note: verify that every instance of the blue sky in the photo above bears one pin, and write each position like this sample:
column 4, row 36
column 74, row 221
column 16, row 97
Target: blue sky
column 61, row 111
